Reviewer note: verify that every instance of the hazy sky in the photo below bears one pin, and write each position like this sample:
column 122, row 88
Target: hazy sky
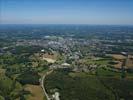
column 66, row 11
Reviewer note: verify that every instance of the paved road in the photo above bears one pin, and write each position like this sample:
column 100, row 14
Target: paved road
column 42, row 83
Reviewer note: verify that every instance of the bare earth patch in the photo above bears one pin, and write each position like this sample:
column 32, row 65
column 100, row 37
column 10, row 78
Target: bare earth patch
column 49, row 60
column 118, row 56
column 118, row 65
column 129, row 62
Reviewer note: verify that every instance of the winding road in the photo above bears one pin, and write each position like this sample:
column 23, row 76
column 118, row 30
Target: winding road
column 42, row 84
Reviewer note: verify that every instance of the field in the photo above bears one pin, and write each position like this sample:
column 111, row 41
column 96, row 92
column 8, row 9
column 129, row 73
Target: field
column 105, row 85
column 35, row 92
column 118, row 65
column 118, row 56
column 2, row 71
column 77, row 86
column 119, row 59
column 101, row 61
column 49, row 60
column 122, row 88
column 129, row 62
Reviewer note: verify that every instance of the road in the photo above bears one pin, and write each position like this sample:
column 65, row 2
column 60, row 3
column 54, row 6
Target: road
column 42, row 84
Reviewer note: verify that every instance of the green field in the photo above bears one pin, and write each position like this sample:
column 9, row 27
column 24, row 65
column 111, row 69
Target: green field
column 121, row 87
column 76, row 87
column 107, row 85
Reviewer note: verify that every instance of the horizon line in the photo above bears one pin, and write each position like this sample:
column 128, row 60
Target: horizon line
column 64, row 24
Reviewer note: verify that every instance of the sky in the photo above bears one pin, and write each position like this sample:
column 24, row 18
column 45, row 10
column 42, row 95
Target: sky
column 108, row 12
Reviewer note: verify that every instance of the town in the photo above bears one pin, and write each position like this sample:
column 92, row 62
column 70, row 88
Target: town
column 29, row 57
